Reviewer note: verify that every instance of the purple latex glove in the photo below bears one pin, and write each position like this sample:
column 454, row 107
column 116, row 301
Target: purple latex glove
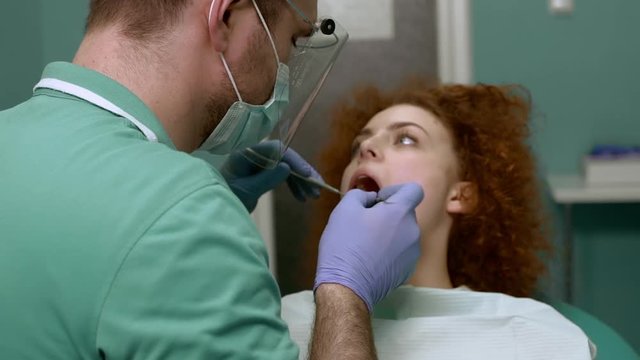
column 369, row 247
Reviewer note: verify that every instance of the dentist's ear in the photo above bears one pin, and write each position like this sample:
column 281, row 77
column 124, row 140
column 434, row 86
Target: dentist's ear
column 218, row 28
column 463, row 198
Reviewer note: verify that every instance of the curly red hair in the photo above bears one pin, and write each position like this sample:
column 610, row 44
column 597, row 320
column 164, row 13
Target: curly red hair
column 498, row 246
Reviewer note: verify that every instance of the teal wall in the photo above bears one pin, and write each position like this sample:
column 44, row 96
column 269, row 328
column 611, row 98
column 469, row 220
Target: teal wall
column 21, row 55
column 583, row 72
column 63, row 28
column 32, row 34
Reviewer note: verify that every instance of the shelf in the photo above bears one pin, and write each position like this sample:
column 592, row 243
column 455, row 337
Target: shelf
column 571, row 189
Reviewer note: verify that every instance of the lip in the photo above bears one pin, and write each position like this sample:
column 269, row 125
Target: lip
column 360, row 173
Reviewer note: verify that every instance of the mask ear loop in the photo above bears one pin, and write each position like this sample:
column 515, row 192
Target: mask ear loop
column 264, row 23
column 224, row 61
column 233, row 81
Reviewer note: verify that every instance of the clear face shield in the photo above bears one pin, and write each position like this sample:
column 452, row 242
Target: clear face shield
column 310, row 62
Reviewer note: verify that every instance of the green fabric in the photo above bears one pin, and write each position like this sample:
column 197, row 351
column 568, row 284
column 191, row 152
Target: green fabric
column 611, row 346
column 113, row 244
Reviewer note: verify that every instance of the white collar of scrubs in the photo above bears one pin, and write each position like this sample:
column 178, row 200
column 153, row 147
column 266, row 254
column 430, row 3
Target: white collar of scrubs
column 105, row 93
column 95, row 99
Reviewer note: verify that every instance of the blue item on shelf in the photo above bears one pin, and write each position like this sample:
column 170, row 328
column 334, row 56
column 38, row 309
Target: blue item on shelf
column 615, row 151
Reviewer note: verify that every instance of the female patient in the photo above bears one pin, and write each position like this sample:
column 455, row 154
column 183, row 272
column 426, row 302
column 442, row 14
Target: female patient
column 481, row 227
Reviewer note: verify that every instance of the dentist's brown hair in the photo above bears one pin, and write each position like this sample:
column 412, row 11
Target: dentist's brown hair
column 145, row 20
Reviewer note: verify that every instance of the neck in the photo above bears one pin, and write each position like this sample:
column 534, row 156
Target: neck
column 150, row 74
column 431, row 270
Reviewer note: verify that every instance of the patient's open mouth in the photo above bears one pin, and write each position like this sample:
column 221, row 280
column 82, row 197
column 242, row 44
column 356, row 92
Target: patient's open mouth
column 365, row 183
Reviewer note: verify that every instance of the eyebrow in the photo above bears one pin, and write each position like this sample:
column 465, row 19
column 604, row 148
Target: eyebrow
column 395, row 126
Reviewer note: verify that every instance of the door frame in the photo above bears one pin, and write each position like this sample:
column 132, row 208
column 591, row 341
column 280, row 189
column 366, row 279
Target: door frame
column 455, row 47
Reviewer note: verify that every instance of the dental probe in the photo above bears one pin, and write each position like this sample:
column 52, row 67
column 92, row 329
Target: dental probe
column 326, row 186
column 317, row 183
column 307, row 179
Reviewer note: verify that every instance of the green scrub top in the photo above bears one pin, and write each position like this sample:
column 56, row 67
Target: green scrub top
column 116, row 247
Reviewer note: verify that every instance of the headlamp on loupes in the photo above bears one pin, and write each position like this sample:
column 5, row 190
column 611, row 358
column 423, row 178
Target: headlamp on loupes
column 310, row 62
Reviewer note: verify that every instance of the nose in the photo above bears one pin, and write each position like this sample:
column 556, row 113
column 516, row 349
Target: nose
column 370, row 149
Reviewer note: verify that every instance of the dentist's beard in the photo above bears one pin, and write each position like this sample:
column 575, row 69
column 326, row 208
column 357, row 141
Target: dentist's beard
column 249, row 73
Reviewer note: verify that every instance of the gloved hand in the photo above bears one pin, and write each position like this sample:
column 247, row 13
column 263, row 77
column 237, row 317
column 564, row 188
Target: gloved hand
column 369, row 247
column 249, row 181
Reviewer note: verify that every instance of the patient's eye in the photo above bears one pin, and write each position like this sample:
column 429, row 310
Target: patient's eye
column 405, row 138
column 355, row 147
